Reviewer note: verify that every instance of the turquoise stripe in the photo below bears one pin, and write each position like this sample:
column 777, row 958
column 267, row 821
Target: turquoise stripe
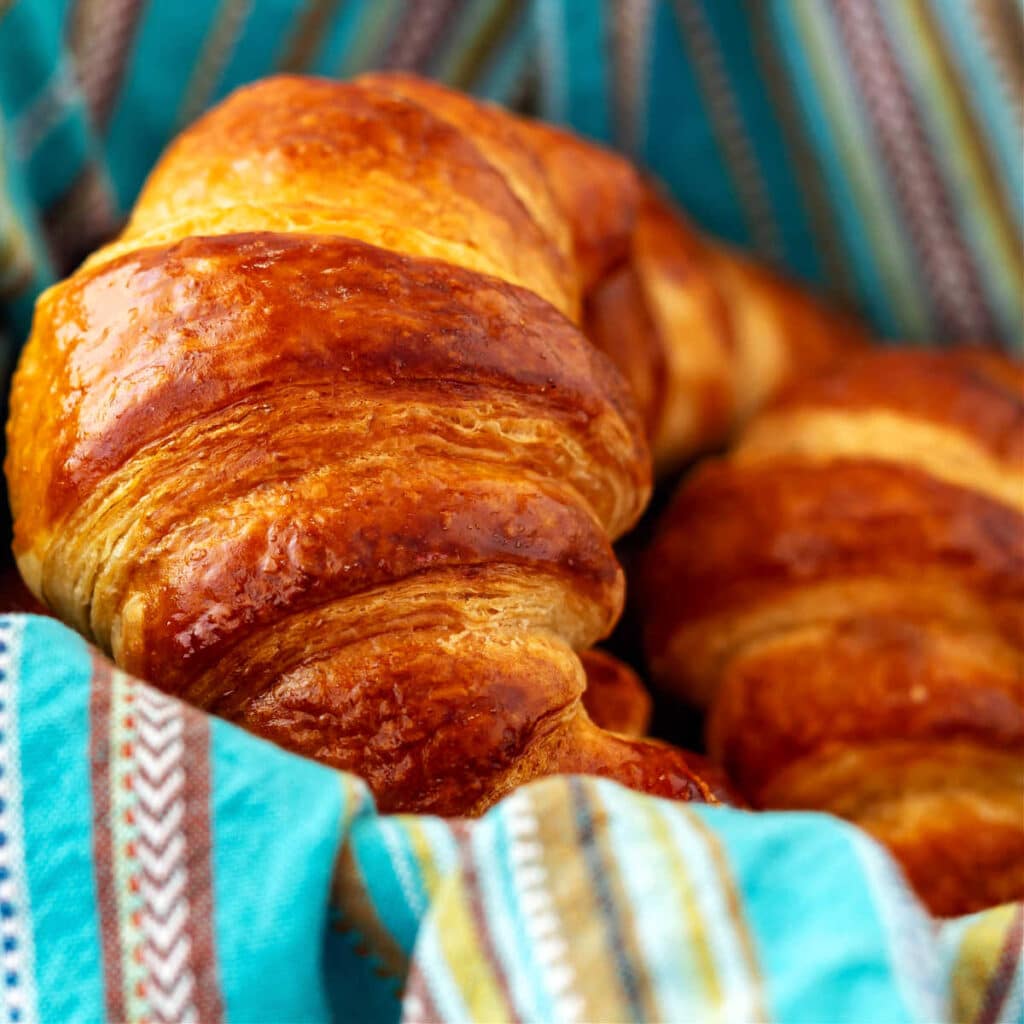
column 57, row 820
column 30, row 40
column 554, row 85
column 999, row 283
column 489, row 850
column 170, row 37
column 338, row 37
column 730, row 20
column 258, row 47
column 994, row 115
column 275, row 829
column 59, row 157
column 357, row 987
column 665, row 938
column 589, row 108
column 506, row 67
column 911, row 946
column 431, row 961
column 492, row 846
column 631, row 975
column 779, row 864
column 872, row 289
column 681, row 147
column 380, row 863
column 357, row 990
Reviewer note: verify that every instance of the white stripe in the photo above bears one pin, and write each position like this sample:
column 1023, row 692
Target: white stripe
column 741, row 989
column 49, row 107
column 17, row 927
column 537, row 908
column 396, row 853
column 910, row 938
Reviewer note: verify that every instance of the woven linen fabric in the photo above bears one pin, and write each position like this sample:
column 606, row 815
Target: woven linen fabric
column 160, row 865
column 872, row 148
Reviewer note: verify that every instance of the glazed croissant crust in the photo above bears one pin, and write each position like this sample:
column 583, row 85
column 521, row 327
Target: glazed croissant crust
column 317, row 444
column 845, row 595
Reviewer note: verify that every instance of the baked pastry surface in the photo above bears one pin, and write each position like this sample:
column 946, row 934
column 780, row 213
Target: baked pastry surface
column 844, row 594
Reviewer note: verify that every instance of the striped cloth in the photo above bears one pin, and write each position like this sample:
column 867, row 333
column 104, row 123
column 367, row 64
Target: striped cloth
column 872, row 148
column 160, row 865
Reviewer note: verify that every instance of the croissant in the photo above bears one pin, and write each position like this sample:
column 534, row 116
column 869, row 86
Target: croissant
column 317, row 445
column 615, row 698
column 844, row 594
column 703, row 335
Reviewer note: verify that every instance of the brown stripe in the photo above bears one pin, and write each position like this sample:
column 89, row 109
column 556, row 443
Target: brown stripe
column 950, row 275
column 83, row 218
column 1002, row 32
column 735, row 907
column 475, row 56
column 591, row 818
column 806, row 167
column 698, row 39
column 307, row 38
column 631, row 21
column 102, row 838
column 991, row 182
column 355, row 912
column 418, row 990
column 462, row 832
column 416, row 34
column 217, row 48
column 1009, row 959
column 102, row 32
column 198, row 845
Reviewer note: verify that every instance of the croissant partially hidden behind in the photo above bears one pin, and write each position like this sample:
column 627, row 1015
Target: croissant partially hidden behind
column 317, row 445
column 845, row 594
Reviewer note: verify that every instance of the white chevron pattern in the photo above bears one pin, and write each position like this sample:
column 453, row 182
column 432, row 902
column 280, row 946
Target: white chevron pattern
column 159, row 785
column 537, row 906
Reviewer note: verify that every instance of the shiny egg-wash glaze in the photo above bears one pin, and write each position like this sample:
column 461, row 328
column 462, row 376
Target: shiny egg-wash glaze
column 845, row 594
column 703, row 335
column 317, row 445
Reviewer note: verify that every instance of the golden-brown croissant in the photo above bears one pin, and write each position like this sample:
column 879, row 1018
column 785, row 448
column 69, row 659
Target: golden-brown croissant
column 615, row 698
column 703, row 335
column 317, row 445
column 845, row 594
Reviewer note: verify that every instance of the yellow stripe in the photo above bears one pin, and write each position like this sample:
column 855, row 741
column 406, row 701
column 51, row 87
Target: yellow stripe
column 739, row 922
column 370, row 37
column 220, row 41
column 423, row 853
column 680, row 893
column 977, row 960
column 468, row 963
column 621, row 907
column 574, row 904
column 965, row 154
column 879, row 219
column 307, row 36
